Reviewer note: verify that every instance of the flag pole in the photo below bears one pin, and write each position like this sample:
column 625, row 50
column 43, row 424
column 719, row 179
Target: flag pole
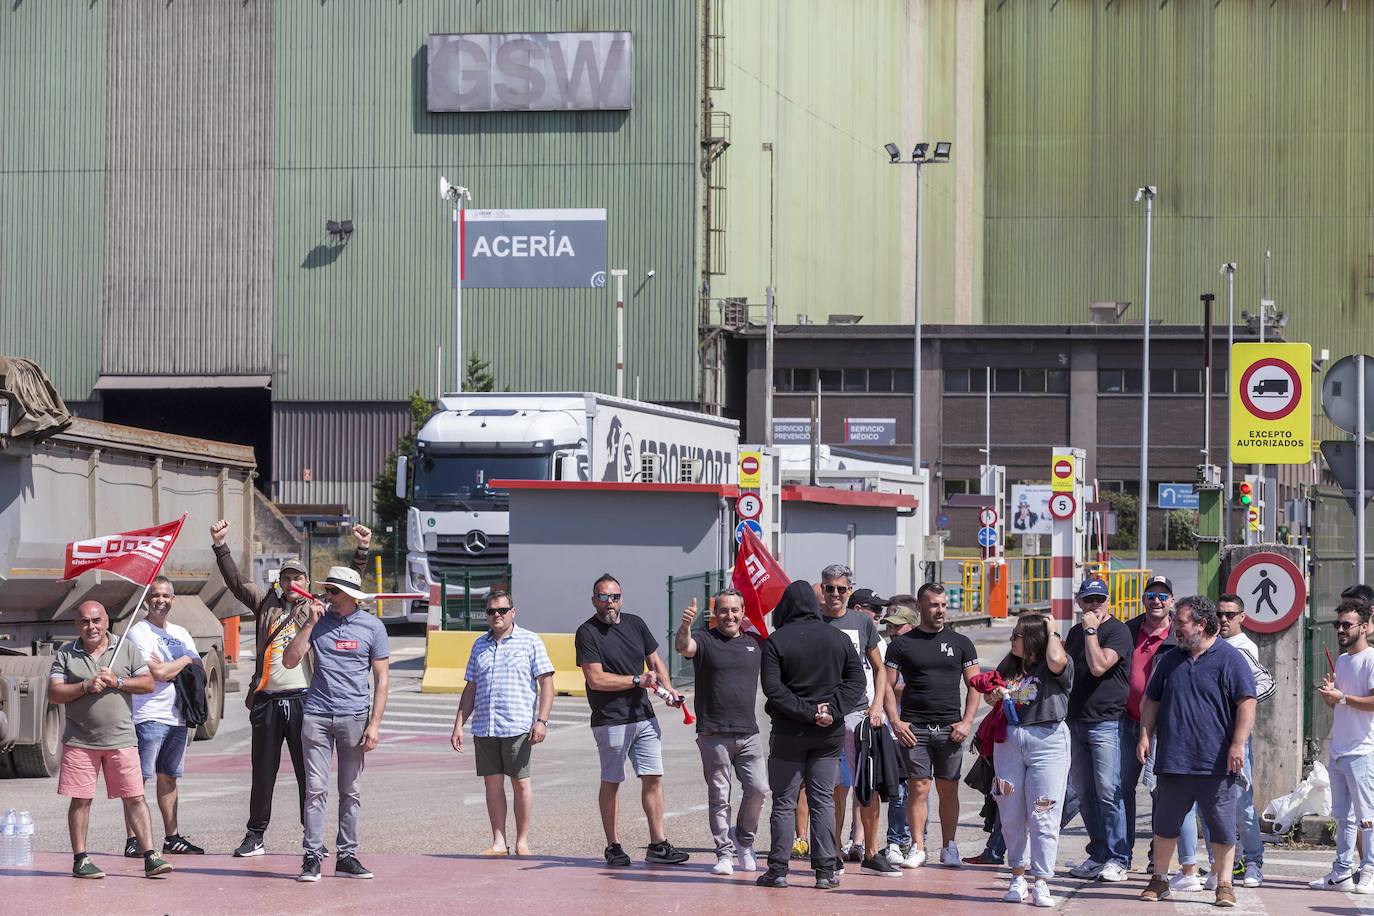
column 144, row 594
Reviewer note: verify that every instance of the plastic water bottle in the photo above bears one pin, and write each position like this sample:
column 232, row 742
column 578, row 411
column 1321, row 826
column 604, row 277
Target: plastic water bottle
column 9, row 826
column 24, row 841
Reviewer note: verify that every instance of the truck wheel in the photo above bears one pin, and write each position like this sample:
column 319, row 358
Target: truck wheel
column 214, row 695
column 42, row 759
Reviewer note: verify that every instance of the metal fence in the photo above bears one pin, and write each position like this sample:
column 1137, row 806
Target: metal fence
column 465, row 595
column 681, row 590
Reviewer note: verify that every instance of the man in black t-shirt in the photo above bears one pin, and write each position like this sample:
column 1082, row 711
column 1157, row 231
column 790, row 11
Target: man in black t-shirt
column 613, row 651
column 929, row 724
column 726, row 662
column 1100, row 647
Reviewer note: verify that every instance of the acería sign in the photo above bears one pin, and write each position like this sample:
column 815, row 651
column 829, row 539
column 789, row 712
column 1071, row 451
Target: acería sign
column 528, row 249
column 531, row 71
column 870, row 431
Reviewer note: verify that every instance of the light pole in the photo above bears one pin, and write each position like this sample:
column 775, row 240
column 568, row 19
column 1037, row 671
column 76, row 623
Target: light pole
column 458, row 195
column 1147, row 194
column 619, row 275
column 920, row 156
column 1229, row 268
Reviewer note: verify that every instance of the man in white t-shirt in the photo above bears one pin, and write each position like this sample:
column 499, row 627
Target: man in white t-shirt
column 161, row 728
column 1349, row 691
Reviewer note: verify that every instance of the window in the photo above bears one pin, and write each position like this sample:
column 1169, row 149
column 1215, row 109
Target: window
column 804, row 380
column 1132, row 380
column 955, row 486
column 1162, row 381
column 830, row 379
column 879, row 379
column 956, row 380
column 1006, row 380
column 1032, row 381
column 856, row 380
column 1057, row 381
column 1188, row 381
column 901, row 381
column 1118, row 381
column 782, row 379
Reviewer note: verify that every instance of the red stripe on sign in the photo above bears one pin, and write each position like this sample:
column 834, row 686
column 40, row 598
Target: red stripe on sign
column 1061, row 608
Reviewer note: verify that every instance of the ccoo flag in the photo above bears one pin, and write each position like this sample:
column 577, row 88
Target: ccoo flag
column 759, row 578
column 134, row 555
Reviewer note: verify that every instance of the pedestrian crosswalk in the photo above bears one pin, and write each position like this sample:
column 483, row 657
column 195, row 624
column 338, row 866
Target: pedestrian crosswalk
column 412, row 713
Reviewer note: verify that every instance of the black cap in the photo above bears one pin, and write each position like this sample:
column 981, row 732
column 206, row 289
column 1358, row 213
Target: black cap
column 866, row 597
column 1159, row 580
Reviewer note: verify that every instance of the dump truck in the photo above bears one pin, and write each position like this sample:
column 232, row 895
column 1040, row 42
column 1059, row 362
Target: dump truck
column 63, row 479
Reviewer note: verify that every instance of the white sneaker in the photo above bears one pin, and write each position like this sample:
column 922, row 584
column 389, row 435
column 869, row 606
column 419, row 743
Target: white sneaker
column 1364, row 882
column 1254, row 875
column 1041, row 895
column 916, row 859
column 1017, row 891
column 1211, row 883
column 894, row 855
column 723, row 866
column 949, row 856
column 1334, row 881
column 1112, row 871
column 747, row 862
column 1087, row 870
column 1185, row 882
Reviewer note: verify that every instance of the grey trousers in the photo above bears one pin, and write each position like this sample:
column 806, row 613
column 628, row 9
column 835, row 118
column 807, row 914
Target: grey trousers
column 790, row 760
column 321, row 738
column 743, row 753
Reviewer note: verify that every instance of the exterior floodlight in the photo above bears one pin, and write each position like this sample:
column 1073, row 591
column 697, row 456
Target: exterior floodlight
column 1147, row 191
column 444, row 188
column 893, row 152
column 942, row 149
column 919, row 153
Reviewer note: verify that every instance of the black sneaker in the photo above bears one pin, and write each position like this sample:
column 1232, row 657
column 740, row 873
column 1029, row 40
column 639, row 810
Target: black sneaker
column 771, row 878
column 826, row 881
column 880, row 866
column 616, row 857
column 350, row 867
column 178, row 845
column 855, row 853
column 665, row 854
column 251, row 846
column 85, row 868
column 131, row 850
column 310, row 869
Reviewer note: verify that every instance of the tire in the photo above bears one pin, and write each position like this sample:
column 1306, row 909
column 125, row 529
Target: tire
column 214, row 695
column 42, row 759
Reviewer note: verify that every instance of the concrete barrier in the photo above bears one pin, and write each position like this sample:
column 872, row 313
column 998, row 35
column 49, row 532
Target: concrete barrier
column 447, row 652
column 567, row 677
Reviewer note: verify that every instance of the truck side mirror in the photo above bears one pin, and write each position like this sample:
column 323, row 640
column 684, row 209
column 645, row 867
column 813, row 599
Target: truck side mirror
column 401, row 465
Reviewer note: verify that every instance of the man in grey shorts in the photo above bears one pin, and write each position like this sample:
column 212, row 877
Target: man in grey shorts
column 343, row 713
column 613, row 650
column 726, row 661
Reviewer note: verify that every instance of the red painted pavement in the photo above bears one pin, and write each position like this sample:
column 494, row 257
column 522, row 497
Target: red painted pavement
column 420, row 884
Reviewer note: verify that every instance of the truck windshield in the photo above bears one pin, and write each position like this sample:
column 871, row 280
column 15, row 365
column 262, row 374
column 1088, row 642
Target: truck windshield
column 467, row 478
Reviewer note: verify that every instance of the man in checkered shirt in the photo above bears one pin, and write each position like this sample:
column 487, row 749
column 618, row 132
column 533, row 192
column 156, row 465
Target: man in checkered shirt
column 507, row 672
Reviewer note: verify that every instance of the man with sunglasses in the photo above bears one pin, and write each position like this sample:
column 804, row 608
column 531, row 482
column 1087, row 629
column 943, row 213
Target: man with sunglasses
column 1101, row 648
column 1151, row 632
column 614, row 649
column 508, row 697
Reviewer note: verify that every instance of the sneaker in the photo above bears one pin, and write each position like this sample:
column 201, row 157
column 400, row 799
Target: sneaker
column 880, row 866
column 85, row 868
column 853, row 853
column 665, row 854
column 949, row 856
column 916, row 859
column 893, row 852
column 1017, row 891
column 839, row 865
column 310, row 869
column 178, row 845
column 1185, row 883
column 747, row 860
column 981, row 859
column 1087, row 870
column 251, row 846
column 1112, row 871
column 771, row 878
column 1254, row 875
column 350, row 867
column 1226, row 895
column 131, row 850
column 1364, row 882
column 616, row 857
column 800, row 848
column 724, row 866
column 1238, row 867
column 1334, row 881
column 1041, row 896
column 1157, row 889
column 154, row 865
column 826, row 882
column 1211, row 883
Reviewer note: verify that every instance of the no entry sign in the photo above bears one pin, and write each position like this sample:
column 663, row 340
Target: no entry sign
column 1271, row 412
column 1061, row 474
column 1272, row 588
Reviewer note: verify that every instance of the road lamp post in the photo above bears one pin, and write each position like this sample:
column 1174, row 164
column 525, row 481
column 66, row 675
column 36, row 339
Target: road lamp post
column 1146, row 194
column 458, row 195
column 920, row 155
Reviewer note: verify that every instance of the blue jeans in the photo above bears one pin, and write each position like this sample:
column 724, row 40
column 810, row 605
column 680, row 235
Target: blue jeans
column 1352, row 803
column 1096, row 777
column 1035, row 760
column 898, row 829
column 1130, row 779
column 996, row 847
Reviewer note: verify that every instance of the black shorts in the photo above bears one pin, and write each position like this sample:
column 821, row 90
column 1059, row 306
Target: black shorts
column 934, row 754
column 1215, row 797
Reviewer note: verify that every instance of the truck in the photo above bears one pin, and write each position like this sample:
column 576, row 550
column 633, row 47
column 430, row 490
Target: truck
column 79, row 479
column 458, row 523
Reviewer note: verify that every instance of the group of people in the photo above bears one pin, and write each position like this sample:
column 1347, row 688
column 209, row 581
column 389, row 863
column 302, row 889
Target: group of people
column 870, row 701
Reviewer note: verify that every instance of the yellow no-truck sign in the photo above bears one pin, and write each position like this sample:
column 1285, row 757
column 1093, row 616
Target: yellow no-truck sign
column 1271, row 403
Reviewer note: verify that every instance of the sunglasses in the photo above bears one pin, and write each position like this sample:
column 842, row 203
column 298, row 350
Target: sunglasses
column 607, row 596
column 1344, row 624
column 499, row 611
column 1229, row 615
column 1093, row 599
column 1156, row 596
column 834, row 589
column 331, row 590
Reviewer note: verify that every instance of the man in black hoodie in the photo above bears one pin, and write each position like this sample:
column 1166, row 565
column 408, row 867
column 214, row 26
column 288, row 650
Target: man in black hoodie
column 810, row 675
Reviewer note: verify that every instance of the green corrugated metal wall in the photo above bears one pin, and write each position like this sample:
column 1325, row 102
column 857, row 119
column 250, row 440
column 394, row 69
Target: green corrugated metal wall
column 1254, row 118
column 354, row 141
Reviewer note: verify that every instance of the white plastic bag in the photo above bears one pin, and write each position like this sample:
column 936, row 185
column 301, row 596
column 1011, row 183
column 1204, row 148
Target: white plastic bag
column 1312, row 796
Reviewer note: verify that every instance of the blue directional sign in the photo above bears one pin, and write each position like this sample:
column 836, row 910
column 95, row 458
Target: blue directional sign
column 750, row 524
column 942, row 520
column 1177, row 496
column 987, row 537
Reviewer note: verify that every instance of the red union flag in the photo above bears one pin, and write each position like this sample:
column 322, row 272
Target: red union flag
column 133, row 555
column 759, row 578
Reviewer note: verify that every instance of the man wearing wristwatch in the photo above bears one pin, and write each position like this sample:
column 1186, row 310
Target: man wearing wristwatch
column 96, row 680
column 508, row 667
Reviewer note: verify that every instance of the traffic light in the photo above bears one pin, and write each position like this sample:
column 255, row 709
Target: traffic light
column 1245, row 494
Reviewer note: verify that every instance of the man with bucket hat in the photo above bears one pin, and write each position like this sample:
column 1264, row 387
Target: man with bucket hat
column 343, row 712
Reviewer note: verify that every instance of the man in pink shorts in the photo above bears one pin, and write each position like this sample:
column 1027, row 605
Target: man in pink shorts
column 96, row 680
